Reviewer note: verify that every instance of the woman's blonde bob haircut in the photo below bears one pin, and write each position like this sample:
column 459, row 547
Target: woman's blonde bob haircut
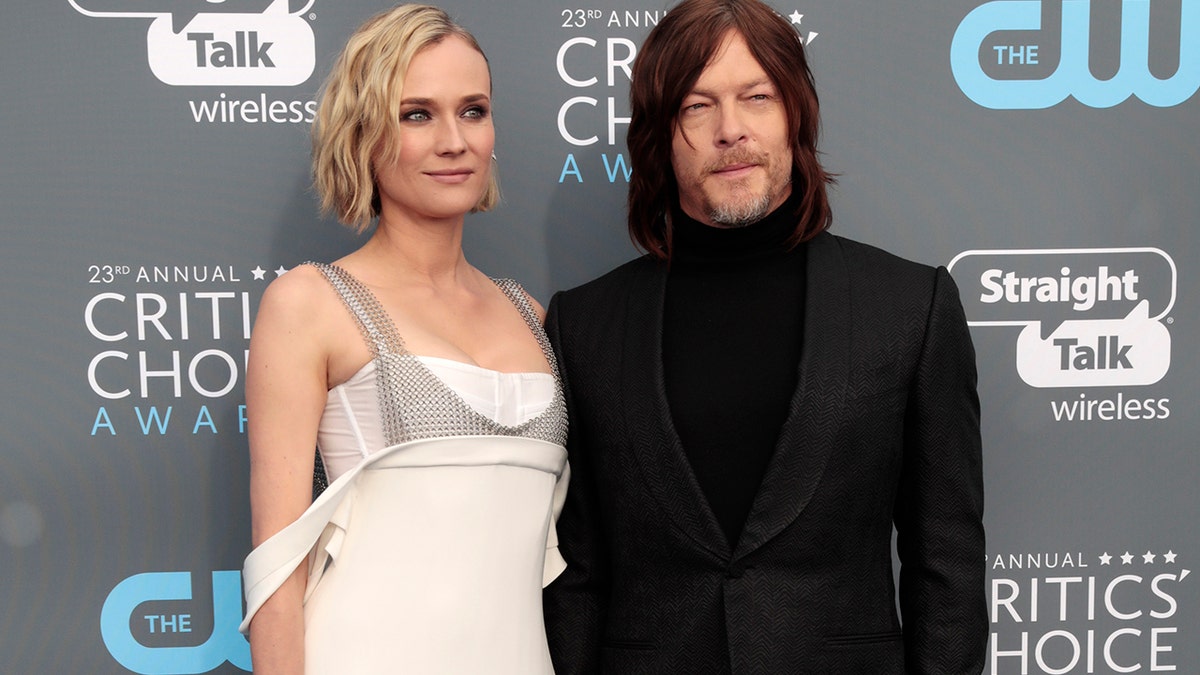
column 358, row 120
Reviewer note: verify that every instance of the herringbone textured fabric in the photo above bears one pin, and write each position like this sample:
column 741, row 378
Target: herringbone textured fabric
column 883, row 429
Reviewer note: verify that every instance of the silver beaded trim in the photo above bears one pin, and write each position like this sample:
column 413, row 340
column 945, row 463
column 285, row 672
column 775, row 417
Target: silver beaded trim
column 414, row 403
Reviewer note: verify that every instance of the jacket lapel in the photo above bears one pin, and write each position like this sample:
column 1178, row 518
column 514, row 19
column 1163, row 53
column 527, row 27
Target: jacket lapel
column 650, row 430
column 807, row 436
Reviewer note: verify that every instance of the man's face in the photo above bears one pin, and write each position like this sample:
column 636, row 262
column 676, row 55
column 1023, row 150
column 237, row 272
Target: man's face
column 730, row 152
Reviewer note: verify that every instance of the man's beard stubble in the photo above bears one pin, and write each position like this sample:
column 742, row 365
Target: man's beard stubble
column 737, row 214
column 734, row 215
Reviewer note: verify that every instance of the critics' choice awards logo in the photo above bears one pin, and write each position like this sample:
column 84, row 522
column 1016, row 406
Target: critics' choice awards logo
column 170, row 343
column 999, row 52
column 222, row 43
column 1064, row 613
column 1089, row 318
column 152, row 624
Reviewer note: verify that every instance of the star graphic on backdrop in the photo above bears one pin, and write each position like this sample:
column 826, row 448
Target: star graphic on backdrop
column 258, row 273
column 796, row 17
column 1105, row 558
column 1169, row 557
column 1148, row 558
column 1127, row 558
column 279, row 272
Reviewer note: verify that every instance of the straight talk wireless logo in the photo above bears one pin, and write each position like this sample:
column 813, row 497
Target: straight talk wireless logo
column 226, row 43
column 1090, row 318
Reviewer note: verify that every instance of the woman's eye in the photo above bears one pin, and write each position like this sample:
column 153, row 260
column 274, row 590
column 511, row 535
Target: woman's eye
column 476, row 112
column 415, row 116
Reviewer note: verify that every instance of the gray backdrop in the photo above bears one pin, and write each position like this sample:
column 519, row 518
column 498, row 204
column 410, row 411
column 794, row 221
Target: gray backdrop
column 154, row 177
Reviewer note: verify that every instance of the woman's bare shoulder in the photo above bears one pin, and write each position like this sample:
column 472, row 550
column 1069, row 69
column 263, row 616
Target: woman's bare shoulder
column 537, row 306
column 299, row 292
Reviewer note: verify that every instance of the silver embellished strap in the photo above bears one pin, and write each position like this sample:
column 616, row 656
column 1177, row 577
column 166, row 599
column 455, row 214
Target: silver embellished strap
column 372, row 319
column 516, row 293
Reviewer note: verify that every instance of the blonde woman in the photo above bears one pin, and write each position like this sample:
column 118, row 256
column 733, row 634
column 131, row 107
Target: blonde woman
column 429, row 388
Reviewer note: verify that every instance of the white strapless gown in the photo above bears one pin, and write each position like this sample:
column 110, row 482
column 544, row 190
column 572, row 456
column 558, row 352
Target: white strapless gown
column 427, row 556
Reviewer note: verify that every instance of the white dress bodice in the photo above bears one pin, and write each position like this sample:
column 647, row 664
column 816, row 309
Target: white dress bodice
column 351, row 426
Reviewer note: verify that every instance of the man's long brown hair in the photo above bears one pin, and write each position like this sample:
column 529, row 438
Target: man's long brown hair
column 664, row 72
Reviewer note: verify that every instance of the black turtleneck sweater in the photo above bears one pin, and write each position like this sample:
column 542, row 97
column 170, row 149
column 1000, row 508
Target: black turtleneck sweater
column 732, row 328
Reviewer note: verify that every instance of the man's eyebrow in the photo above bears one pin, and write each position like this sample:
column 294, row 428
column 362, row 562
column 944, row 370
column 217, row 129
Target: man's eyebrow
column 749, row 85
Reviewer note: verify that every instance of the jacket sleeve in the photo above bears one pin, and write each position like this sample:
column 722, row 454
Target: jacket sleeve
column 574, row 602
column 939, row 509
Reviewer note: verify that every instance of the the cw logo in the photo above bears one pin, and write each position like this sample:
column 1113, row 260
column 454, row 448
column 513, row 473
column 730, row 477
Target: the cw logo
column 1073, row 76
column 224, row 644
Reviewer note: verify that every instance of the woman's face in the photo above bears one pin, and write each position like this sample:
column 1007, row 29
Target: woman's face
column 446, row 136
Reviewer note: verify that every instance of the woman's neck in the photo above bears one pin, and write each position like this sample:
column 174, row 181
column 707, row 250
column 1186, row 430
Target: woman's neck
column 404, row 251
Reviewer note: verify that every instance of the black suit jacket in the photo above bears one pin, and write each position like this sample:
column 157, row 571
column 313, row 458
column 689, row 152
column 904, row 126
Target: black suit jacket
column 883, row 430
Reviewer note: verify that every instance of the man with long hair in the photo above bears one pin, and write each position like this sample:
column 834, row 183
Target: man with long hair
column 756, row 402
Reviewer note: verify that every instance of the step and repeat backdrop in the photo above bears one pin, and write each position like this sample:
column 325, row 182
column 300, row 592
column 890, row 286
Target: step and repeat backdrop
column 154, row 180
